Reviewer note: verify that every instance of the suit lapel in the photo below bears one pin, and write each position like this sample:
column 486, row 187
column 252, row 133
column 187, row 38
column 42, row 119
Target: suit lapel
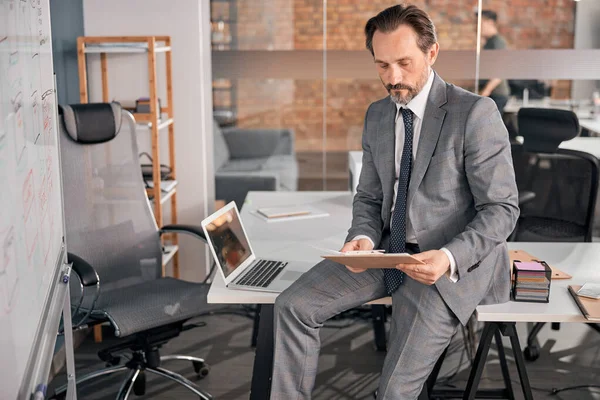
column 430, row 133
column 386, row 148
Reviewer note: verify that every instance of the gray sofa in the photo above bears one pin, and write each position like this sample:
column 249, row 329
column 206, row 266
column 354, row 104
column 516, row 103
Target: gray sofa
column 253, row 159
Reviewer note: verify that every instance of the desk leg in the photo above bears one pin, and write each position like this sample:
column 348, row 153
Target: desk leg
column 510, row 394
column 511, row 331
column 482, row 351
column 378, row 314
column 492, row 330
column 262, row 371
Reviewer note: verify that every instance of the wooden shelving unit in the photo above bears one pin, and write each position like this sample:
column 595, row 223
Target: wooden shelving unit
column 152, row 121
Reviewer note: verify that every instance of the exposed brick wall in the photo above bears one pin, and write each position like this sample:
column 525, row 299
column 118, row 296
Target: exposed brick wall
column 346, row 20
column 297, row 24
column 535, row 24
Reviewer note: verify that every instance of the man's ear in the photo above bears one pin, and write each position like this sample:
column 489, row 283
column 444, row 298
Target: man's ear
column 433, row 53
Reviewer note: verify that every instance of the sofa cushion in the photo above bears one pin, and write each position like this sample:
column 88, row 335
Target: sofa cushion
column 221, row 154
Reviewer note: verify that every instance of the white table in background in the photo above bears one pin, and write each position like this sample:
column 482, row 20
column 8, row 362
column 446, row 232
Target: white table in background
column 589, row 145
column 586, row 120
column 300, row 240
column 592, row 125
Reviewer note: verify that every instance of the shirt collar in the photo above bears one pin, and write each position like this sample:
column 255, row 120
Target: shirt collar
column 419, row 102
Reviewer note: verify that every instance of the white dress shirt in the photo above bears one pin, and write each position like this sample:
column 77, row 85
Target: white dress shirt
column 417, row 106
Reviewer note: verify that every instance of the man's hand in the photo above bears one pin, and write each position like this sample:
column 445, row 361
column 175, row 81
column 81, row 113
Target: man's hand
column 436, row 265
column 353, row 245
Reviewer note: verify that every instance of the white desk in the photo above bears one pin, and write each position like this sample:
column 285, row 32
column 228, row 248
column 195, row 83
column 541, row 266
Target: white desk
column 592, row 125
column 577, row 259
column 583, row 110
column 293, row 240
column 589, row 145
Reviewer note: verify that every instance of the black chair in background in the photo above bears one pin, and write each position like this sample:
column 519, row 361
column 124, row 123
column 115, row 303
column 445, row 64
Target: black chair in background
column 564, row 184
column 115, row 247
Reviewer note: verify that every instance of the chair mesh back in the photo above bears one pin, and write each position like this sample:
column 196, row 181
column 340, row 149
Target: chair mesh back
column 108, row 220
column 565, row 187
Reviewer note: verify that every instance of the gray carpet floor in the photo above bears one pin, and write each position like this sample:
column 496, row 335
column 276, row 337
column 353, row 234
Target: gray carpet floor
column 348, row 366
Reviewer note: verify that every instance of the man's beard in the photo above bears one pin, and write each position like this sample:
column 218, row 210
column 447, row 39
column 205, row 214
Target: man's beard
column 398, row 98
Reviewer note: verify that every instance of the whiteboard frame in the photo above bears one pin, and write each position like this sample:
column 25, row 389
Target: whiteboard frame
column 40, row 359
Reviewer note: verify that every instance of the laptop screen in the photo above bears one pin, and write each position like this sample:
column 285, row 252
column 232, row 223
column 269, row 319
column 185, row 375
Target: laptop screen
column 229, row 241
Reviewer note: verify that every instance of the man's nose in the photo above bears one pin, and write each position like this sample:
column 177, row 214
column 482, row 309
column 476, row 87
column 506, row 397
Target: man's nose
column 394, row 75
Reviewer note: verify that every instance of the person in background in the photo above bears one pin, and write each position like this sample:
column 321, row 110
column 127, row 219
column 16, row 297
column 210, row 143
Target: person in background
column 497, row 89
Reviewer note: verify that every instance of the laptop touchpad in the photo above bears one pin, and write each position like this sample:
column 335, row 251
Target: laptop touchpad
column 291, row 275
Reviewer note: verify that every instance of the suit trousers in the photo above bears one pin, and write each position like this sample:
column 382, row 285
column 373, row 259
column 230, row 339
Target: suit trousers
column 422, row 326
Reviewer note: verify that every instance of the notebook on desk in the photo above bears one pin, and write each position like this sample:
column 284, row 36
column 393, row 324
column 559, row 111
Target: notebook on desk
column 288, row 213
column 590, row 308
column 283, row 212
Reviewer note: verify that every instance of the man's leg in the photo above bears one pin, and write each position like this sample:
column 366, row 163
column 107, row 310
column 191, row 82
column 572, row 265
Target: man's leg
column 321, row 293
column 421, row 328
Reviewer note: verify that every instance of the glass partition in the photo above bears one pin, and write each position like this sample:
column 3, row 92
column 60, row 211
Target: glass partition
column 541, row 52
column 304, row 66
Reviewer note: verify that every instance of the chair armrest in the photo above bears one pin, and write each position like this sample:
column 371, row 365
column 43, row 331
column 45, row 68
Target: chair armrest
column 87, row 274
column 257, row 143
column 88, row 277
column 193, row 230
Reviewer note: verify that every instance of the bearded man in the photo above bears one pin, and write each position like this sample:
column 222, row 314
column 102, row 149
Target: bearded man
column 437, row 181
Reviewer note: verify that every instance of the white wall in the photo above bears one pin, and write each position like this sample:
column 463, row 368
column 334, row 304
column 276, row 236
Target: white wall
column 188, row 24
column 587, row 36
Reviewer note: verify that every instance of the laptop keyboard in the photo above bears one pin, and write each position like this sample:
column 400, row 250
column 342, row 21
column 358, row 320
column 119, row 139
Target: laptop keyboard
column 261, row 274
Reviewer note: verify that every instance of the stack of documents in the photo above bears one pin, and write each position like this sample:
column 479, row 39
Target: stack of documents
column 532, row 281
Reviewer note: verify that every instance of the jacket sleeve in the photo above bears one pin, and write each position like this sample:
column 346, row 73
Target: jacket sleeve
column 366, row 209
column 491, row 177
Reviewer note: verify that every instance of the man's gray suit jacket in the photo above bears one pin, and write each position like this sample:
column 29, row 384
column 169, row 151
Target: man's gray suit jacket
column 462, row 193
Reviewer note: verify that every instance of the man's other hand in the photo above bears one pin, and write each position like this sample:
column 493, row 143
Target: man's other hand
column 353, row 245
column 436, row 265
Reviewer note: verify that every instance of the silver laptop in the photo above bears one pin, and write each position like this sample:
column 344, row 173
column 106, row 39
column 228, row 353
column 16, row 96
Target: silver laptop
column 237, row 261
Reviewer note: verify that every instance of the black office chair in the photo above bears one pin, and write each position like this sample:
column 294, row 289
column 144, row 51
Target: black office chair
column 115, row 247
column 564, row 183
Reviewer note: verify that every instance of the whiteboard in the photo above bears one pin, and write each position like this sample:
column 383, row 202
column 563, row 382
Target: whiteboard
column 31, row 218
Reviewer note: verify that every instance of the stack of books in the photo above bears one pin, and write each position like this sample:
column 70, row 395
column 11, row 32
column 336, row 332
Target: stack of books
column 531, row 281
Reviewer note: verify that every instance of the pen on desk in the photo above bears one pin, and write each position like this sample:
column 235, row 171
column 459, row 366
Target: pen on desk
column 40, row 392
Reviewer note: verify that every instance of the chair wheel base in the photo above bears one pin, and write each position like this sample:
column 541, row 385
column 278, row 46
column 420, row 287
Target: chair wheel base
column 202, row 369
column 60, row 396
column 531, row 353
column 139, row 385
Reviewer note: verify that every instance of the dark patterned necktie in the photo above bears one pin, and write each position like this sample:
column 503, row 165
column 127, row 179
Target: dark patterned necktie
column 393, row 277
